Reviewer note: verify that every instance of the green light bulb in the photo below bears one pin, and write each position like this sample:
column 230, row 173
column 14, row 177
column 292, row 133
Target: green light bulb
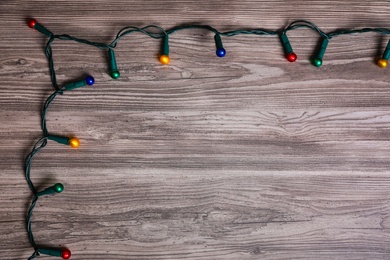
column 58, row 187
column 317, row 62
column 115, row 74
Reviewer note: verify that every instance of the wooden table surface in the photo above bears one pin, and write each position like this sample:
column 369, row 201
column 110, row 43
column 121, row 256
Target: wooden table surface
column 244, row 157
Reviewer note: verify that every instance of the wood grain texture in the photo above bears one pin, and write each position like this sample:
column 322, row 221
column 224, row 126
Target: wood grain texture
column 245, row 157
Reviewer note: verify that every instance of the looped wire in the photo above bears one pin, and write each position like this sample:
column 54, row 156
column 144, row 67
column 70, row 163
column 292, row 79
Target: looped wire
column 306, row 24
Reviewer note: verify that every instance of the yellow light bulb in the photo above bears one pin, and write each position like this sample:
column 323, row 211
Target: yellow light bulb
column 74, row 142
column 382, row 63
column 164, row 59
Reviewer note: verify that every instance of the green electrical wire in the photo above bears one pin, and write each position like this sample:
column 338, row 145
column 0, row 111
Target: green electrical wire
column 154, row 32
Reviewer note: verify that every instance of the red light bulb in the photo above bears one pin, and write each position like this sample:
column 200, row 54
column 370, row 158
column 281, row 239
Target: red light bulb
column 65, row 254
column 291, row 57
column 31, row 23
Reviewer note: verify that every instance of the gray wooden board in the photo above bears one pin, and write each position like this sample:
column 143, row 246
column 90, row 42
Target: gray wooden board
column 245, row 157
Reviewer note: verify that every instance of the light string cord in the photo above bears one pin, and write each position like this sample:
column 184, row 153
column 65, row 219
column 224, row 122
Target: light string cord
column 160, row 34
column 42, row 142
column 37, row 147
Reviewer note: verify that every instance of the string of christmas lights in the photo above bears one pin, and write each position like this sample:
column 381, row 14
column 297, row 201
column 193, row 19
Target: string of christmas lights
column 164, row 59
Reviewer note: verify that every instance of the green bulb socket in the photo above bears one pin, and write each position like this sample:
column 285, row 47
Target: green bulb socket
column 165, row 47
column 59, row 139
column 42, row 29
column 50, row 251
column 218, row 41
column 56, row 188
column 317, row 61
column 386, row 54
column 77, row 84
column 114, row 72
column 286, row 43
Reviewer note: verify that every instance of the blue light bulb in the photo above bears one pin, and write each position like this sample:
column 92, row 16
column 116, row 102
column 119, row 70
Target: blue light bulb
column 221, row 52
column 89, row 80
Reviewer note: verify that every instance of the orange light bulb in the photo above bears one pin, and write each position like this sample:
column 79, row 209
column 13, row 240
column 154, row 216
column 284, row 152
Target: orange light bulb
column 164, row 59
column 74, row 142
column 382, row 63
